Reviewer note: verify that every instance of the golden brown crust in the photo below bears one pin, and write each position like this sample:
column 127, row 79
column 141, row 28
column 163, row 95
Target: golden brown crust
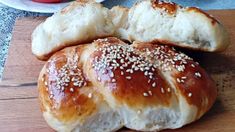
column 190, row 79
column 134, row 75
column 127, row 85
column 169, row 7
column 196, row 86
column 63, row 96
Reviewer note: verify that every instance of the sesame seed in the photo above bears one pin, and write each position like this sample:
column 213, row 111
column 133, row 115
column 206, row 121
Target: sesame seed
column 178, row 80
column 122, row 73
column 131, row 71
column 130, row 59
column 190, row 94
column 111, row 74
column 99, row 79
column 90, row 95
column 122, row 60
column 197, row 74
column 113, row 80
column 192, row 65
column 150, row 73
column 145, row 94
column 76, row 84
column 154, row 84
column 146, row 73
column 183, row 77
column 71, row 90
column 168, row 89
column 162, row 90
column 45, row 83
column 139, row 112
column 136, row 68
column 150, row 93
column 51, row 96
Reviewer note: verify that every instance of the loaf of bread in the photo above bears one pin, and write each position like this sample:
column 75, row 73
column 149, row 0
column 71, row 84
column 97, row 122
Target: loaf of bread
column 148, row 20
column 173, row 24
column 108, row 84
column 78, row 23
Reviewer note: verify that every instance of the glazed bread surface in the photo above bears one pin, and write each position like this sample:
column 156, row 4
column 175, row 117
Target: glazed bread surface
column 108, row 84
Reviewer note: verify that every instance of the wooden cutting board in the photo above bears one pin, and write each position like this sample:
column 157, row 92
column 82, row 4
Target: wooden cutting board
column 19, row 108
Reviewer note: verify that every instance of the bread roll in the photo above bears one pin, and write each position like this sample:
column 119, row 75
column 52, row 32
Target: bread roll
column 78, row 23
column 106, row 85
column 169, row 23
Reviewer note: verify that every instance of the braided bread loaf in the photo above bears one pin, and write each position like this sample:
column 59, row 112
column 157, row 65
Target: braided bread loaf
column 108, row 84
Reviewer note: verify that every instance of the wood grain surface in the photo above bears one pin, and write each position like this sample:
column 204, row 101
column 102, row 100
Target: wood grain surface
column 19, row 107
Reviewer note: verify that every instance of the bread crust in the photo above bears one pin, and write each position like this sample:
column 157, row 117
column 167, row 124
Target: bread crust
column 142, row 86
column 146, row 21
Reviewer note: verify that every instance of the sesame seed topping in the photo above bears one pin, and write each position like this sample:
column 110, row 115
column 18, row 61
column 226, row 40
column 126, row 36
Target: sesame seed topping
column 149, row 81
column 76, row 84
column 162, row 90
column 99, row 79
column 90, row 95
column 139, row 112
column 122, row 73
column 181, row 80
column 71, row 90
column 113, row 80
column 197, row 74
column 111, row 74
column 51, row 96
column 190, row 94
column 45, row 83
column 178, row 80
column 154, row 84
column 192, row 65
column 150, row 93
column 67, row 74
column 146, row 60
column 169, row 90
column 145, row 94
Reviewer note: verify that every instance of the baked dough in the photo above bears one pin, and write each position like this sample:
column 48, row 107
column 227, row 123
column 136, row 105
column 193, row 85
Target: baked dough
column 146, row 21
column 108, row 84
column 187, row 27
column 78, row 23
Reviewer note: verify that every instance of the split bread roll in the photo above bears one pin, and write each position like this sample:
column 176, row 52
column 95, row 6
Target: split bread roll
column 146, row 21
column 108, row 84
